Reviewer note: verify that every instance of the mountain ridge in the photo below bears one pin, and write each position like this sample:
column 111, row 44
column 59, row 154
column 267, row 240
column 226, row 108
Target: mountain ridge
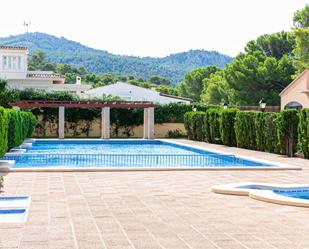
column 65, row 51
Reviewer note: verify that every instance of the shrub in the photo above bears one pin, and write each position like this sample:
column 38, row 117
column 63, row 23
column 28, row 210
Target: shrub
column 227, row 129
column 20, row 126
column 287, row 132
column 271, row 131
column 266, row 124
column 175, row 134
column 14, row 128
column 193, row 122
column 4, row 124
column 245, row 129
column 212, row 124
column 303, row 131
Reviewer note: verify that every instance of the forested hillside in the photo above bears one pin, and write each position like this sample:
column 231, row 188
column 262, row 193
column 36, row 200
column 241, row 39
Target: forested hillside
column 64, row 51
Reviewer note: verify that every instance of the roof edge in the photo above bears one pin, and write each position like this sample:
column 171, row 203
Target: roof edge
column 296, row 79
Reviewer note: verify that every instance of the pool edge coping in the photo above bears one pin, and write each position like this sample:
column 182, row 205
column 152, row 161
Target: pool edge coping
column 262, row 195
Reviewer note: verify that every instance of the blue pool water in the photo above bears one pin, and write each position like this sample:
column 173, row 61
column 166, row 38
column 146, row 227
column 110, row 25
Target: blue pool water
column 296, row 192
column 120, row 153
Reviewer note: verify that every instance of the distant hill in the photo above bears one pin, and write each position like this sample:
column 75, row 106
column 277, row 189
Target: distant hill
column 62, row 50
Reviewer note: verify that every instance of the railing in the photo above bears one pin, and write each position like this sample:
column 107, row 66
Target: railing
column 129, row 160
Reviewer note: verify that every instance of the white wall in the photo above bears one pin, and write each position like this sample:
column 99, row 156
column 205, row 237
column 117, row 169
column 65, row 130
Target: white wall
column 14, row 74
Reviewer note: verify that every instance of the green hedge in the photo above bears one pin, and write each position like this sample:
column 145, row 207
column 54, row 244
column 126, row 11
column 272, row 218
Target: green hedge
column 15, row 126
column 227, row 130
column 288, row 132
column 194, row 122
column 271, row 129
column 245, row 129
column 4, row 124
column 212, row 126
column 303, row 131
column 270, row 132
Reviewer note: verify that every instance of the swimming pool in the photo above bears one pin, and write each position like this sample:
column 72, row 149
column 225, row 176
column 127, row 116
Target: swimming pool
column 285, row 194
column 70, row 153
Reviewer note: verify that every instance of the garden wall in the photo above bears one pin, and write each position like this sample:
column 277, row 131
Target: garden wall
column 83, row 128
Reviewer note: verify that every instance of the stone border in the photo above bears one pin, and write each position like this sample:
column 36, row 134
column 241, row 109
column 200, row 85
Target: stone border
column 266, row 194
column 274, row 165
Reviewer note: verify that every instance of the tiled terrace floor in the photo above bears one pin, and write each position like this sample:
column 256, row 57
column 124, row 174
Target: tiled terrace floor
column 154, row 210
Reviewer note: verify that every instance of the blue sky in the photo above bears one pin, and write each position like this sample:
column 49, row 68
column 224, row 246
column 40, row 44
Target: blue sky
column 152, row 27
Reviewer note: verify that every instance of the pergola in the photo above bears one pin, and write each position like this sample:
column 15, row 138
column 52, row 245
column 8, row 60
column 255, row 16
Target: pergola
column 105, row 110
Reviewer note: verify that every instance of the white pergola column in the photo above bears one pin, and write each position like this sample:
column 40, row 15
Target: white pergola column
column 145, row 123
column 150, row 122
column 61, row 122
column 105, row 123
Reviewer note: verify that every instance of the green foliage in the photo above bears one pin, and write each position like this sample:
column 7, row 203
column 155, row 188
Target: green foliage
column 61, row 50
column 212, row 125
column 301, row 18
column 216, row 89
column 175, row 134
column 287, row 131
column 272, row 45
column 39, row 94
column 20, row 126
column 4, row 124
column 14, row 128
column 227, row 129
column 193, row 122
column 245, row 129
column 158, row 80
column 169, row 90
column 254, row 76
column 193, row 82
column 303, row 131
column 301, row 51
column 267, row 130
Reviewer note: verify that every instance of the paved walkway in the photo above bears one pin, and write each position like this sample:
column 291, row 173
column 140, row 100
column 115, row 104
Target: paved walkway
column 155, row 210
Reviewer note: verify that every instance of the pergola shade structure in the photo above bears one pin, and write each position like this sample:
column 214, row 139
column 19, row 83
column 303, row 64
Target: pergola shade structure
column 104, row 106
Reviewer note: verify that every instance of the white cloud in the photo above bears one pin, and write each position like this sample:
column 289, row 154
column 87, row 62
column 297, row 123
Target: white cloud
column 152, row 27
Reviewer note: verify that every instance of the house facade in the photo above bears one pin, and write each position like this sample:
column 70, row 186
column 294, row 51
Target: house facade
column 296, row 94
column 14, row 68
column 130, row 92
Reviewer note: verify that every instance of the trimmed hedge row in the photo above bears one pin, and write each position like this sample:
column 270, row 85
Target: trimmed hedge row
column 15, row 126
column 303, row 131
column 270, row 132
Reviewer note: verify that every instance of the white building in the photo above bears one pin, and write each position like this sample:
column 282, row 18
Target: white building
column 130, row 92
column 14, row 68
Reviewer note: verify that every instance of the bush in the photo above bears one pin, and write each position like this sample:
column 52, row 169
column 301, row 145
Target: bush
column 270, row 132
column 4, row 124
column 303, row 131
column 287, row 132
column 194, row 122
column 267, row 129
column 227, row 129
column 14, row 128
column 175, row 134
column 212, row 125
column 20, row 126
column 245, row 129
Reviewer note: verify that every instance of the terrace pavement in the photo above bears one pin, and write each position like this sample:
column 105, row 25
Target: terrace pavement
column 158, row 209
